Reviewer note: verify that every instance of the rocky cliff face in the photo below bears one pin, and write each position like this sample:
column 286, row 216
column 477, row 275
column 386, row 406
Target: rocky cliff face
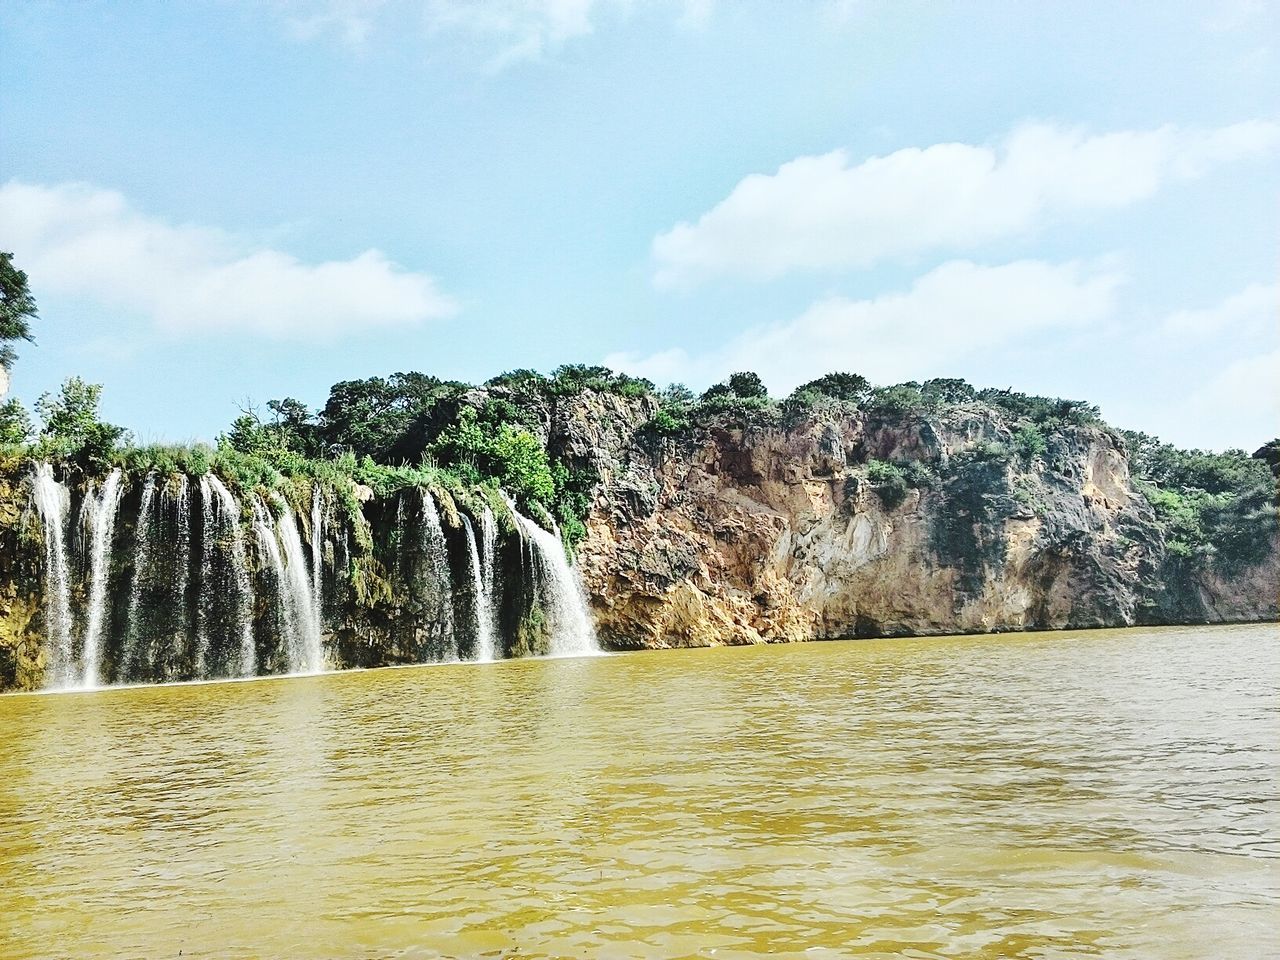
column 826, row 523
column 745, row 534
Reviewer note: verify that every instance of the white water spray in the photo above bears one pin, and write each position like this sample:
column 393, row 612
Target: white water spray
column 101, row 517
column 481, row 602
column 229, row 520
column 435, row 553
column 563, row 599
column 53, row 502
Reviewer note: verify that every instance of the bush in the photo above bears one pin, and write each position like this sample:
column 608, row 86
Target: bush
column 897, row 400
column 1029, row 442
column 888, row 481
column 72, row 429
column 15, row 423
column 847, row 387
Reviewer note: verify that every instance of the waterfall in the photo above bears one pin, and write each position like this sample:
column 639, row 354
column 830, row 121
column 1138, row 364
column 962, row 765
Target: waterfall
column 488, row 568
column 435, row 553
column 101, row 516
column 319, row 511
column 306, row 603
column 572, row 633
column 481, row 600
column 141, row 560
column 204, row 596
column 52, row 503
column 228, row 521
column 182, row 570
column 283, row 548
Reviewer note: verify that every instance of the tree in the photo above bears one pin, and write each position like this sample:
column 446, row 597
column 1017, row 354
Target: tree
column 748, row 385
column 1269, row 453
column 391, row 419
column 17, row 309
column 850, row 387
column 15, row 423
column 72, row 427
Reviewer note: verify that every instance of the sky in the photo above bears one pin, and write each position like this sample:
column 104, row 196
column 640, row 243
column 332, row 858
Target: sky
column 224, row 202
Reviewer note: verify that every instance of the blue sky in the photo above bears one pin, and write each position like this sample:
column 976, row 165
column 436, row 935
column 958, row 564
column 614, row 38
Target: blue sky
column 227, row 201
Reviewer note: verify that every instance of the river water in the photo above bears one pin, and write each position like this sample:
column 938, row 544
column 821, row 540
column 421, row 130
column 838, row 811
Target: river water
column 1109, row 793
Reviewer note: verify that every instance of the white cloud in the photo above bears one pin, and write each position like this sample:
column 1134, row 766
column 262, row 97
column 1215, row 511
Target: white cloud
column 822, row 212
column 81, row 240
column 531, row 29
column 516, row 30
column 1228, row 362
column 958, row 309
column 1237, row 406
column 351, row 21
column 1255, row 309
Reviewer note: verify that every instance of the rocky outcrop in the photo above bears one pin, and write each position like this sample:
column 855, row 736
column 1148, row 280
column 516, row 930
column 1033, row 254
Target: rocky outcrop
column 779, row 532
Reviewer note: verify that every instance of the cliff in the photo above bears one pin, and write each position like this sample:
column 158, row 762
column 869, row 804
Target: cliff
column 734, row 519
column 786, row 531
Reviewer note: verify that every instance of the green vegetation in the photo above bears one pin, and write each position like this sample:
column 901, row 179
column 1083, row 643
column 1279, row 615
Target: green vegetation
column 1220, row 507
column 17, row 309
column 72, row 428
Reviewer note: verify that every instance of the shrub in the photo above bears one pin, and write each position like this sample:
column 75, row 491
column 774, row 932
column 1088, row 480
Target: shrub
column 1029, row 442
column 15, row 422
column 888, row 481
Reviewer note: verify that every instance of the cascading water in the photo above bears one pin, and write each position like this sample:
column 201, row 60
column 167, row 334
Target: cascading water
column 141, row 566
column 306, row 603
column 488, row 568
column 204, row 599
column 562, row 596
column 283, row 549
column 228, row 522
column 101, row 518
column 185, row 576
column 53, row 502
column 180, row 503
column 481, row 600
column 319, row 513
column 435, row 553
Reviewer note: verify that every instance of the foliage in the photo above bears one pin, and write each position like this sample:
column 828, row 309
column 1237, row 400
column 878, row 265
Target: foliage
column 1029, row 442
column 511, row 456
column 1215, row 505
column 1051, row 412
column 391, row 420
column 848, row 387
column 888, row 481
column 743, row 396
column 17, row 308
column 1269, row 453
column 72, row 428
column 15, row 422
column 903, row 398
column 947, row 391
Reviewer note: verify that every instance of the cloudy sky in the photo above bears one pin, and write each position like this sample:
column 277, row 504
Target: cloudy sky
column 226, row 201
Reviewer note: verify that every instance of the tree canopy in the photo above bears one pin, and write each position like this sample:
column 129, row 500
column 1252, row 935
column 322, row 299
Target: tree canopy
column 17, row 309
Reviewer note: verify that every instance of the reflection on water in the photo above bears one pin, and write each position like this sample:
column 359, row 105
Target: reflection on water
column 1108, row 793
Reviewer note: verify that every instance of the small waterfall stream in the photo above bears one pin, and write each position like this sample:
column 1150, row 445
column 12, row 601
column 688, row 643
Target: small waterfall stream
column 481, row 600
column 308, row 654
column 571, row 631
column 100, row 516
column 133, row 648
column 439, row 580
column 52, row 502
column 227, row 522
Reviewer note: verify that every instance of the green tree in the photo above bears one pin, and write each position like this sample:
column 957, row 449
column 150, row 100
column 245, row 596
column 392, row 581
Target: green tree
column 849, row 387
column 72, row 427
column 748, row 385
column 17, row 309
column 15, row 422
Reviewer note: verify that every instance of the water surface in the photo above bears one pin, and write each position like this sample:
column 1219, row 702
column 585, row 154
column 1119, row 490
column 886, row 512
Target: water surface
column 1109, row 793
